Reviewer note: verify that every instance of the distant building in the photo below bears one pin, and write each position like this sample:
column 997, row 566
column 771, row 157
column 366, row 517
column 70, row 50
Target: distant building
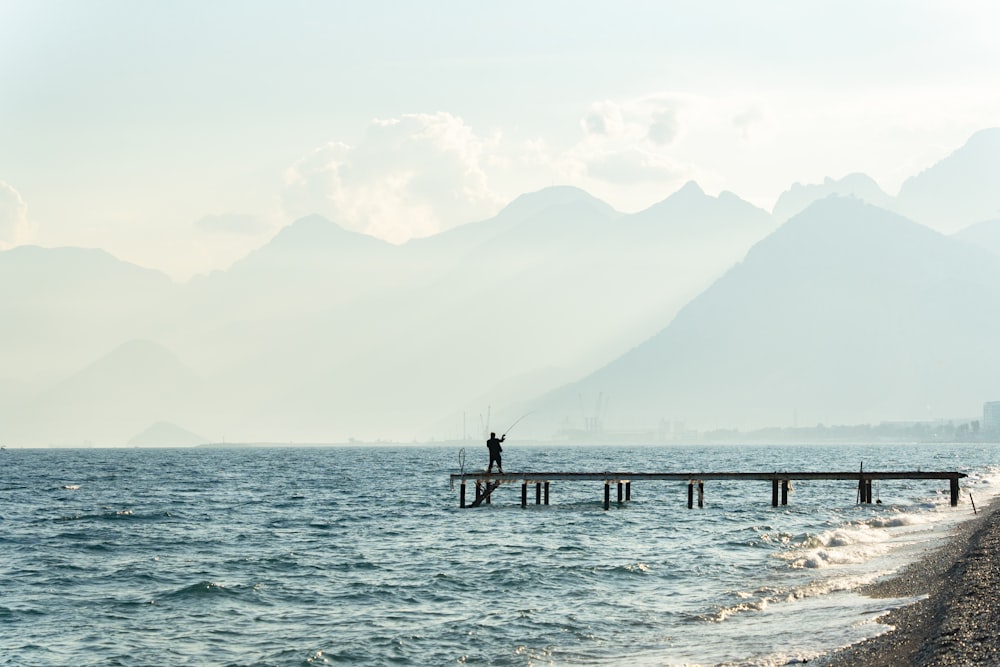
column 991, row 417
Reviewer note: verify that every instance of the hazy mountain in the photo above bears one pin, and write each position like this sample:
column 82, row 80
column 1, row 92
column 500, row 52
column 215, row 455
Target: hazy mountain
column 985, row 234
column 690, row 224
column 482, row 305
column 309, row 267
column 311, row 262
column 960, row 190
column 543, row 204
column 847, row 314
column 165, row 434
column 799, row 197
column 137, row 383
column 324, row 334
column 63, row 307
column 557, row 281
column 691, row 215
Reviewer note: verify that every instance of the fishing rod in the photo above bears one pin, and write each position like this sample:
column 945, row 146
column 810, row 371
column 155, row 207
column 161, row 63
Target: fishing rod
column 516, row 422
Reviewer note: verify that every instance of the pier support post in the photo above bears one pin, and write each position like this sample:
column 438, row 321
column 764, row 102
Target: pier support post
column 486, row 483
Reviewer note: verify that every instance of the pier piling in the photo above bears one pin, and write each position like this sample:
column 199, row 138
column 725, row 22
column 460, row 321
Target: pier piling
column 487, row 482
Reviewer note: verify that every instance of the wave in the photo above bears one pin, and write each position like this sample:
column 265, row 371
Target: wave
column 624, row 570
column 202, row 589
column 762, row 598
column 898, row 520
column 115, row 515
column 846, row 545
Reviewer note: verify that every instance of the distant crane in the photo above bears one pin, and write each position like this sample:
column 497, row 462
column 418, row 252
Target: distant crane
column 485, row 425
column 593, row 422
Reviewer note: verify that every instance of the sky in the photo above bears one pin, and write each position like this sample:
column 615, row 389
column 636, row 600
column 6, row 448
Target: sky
column 181, row 135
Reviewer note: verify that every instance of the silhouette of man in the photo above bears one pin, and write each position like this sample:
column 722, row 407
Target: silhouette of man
column 494, row 446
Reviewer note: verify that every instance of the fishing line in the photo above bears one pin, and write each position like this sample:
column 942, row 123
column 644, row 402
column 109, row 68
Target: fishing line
column 516, row 422
column 461, row 466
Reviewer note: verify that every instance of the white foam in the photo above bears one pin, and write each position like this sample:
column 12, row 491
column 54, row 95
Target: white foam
column 851, row 544
column 897, row 520
column 762, row 598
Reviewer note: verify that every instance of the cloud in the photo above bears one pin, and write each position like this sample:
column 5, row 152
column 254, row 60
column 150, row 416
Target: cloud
column 747, row 120
column 233, row 224
column 411, row 176
column 604, row 119
column 628, row 143
column 14, row 228
column 663, row 128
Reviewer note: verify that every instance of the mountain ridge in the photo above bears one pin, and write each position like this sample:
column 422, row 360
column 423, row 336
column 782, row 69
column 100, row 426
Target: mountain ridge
column 717, row 357
column 325, row 334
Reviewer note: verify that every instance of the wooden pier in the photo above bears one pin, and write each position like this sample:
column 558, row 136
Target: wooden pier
column 486, row 483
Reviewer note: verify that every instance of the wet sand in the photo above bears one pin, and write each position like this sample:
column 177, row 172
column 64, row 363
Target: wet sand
column 958, row 623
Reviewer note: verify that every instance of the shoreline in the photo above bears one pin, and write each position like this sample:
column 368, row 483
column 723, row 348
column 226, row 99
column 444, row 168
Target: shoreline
column 956, row 621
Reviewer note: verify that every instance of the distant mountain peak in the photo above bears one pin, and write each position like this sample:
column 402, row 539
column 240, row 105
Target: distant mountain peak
column 314, row 229
column 312, row 239
column 690, row 203
column 856, row 185
column 82, row 264
column 960, row 189
column 834, row 314
column 166, row 434
column 988, row 137
column 557, row 195
column 689, row 189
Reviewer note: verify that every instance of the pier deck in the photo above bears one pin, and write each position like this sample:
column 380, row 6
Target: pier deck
column 486, row 483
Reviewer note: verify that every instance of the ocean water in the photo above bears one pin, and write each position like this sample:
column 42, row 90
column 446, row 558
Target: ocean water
column 361, row 555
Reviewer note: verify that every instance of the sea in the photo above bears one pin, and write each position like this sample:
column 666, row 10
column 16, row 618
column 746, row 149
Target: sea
column 360, row 555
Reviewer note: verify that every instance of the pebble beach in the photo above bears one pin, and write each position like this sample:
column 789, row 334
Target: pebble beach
column 957, row 618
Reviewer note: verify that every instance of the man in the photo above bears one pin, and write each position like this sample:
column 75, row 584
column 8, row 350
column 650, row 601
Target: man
column 494, row 446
